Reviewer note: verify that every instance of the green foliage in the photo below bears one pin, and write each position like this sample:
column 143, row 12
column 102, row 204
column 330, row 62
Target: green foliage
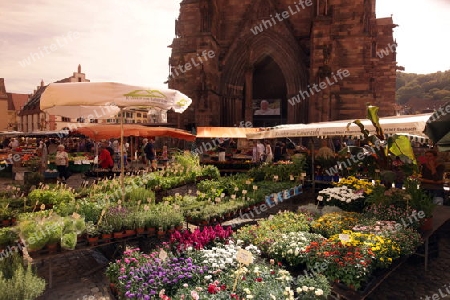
column 69, row 241
column 18, row 282
column 54, row 196
column 434, row 86
column 7, row 236
column 283, row 171
column 139, row 194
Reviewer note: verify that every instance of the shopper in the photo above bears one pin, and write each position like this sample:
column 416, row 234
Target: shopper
column 105, row 160
column 62, row 163
column 433, row 177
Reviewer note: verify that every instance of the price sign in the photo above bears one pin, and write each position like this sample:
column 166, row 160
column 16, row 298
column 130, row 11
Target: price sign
column 163, row 255
column 75, row 215
column 244, row 257
column 291, row 177
column 344, row 237
column 255, row 187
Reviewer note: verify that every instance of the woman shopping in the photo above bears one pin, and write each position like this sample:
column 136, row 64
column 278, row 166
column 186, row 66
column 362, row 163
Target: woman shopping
column 62, row 163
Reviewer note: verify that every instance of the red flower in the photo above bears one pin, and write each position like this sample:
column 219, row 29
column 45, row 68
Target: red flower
column 213, row 289
column 259, row 279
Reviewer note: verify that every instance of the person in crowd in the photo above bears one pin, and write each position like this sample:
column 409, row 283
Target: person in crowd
column 261, row 151
column 150, row 153
column 105, row 160
column 143, row 155
column 255, row 153
column 165, row 155
column 89, row 145
column 325, row 151
column 277, row 156
column 6, row 142
column 42, row 152
column 269, row 153
column 115, row 146
column 62, row 163
column 125, row 154
column 221, row 149
column 432, row 178
column 14, row 143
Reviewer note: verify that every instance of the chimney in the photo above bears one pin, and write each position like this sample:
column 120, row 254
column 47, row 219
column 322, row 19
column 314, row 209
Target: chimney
column 42, row 82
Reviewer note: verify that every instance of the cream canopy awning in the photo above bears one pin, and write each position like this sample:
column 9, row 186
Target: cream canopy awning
column 407, row 124
column 225, row 132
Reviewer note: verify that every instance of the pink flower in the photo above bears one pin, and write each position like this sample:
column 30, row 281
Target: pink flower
column 194, row 295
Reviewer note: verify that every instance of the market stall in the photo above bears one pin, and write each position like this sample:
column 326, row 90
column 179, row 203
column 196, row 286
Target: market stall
column 238, row 148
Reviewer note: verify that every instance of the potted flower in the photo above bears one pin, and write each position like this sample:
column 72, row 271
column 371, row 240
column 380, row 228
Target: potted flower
column 92, row 232
column 312, row 287
column 140, row 219
column 422, row 202
column 129, row 223
column 106, row 230
column 115, row 216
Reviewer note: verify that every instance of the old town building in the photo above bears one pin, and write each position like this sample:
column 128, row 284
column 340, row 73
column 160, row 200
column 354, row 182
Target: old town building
column 312, row 60
column 10, row 106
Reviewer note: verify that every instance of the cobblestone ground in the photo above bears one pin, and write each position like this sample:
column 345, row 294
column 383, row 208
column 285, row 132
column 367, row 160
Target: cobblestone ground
column 80, row 275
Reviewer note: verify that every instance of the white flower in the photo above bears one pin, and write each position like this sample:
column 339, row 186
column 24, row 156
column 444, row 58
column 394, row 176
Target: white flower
column 305, row 288
column 318, row 292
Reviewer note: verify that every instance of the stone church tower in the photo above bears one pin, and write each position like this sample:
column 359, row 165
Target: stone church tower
column 313, row 60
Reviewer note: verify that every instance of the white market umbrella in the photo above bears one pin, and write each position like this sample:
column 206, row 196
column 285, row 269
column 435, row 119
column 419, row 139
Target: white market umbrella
column 100, row 100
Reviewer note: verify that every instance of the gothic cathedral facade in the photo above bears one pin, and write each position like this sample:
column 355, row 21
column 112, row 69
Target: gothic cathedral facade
column 311, row 60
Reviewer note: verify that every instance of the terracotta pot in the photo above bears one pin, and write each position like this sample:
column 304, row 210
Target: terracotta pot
column 130, row 232
column 6, row 222
column 151, row 231
column 52, row 248
column 118, row 235
column 93, row 240
column 161, row 233
column 106, row 237
column 427, row 224
column 140, row 230
column 179, row 227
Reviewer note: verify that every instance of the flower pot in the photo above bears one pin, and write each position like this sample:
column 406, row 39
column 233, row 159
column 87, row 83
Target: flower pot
column 151, row 231
column 130, row 232
column 118, row 235
column 52, row 248
column 160, row 233
column 92, row 240
column 140, row 230
column 113, row 288
column 6, row 222
column 179, row 227
column 427, row 224
column 106, row 237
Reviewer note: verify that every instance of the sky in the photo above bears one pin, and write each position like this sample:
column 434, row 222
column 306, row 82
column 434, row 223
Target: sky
column 126, row 41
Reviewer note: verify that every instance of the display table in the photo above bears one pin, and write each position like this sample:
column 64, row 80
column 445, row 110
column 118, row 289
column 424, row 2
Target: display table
column 441, row 215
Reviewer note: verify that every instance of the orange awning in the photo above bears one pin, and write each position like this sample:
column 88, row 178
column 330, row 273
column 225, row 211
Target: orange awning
column 100, row 132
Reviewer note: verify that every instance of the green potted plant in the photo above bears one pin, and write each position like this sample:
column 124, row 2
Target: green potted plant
column 106, row 231
column 422, row 202
column 92, row 233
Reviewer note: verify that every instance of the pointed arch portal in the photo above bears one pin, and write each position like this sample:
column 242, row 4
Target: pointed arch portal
column 269, row 94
